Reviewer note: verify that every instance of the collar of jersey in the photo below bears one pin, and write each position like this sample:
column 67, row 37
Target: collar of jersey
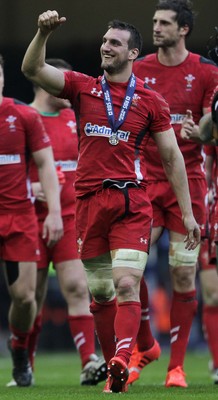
column 48, row 114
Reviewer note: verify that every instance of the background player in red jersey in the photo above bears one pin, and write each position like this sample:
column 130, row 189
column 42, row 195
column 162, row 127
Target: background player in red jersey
column 23, row 134
column 208, row 125
column 207, row 266
column 116, row 117
column 60, row 124
column 185, row 80
column 208, row 132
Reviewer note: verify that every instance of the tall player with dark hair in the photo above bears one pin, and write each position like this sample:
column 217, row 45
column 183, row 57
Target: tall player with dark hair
column 186, row 81
column 116, row 117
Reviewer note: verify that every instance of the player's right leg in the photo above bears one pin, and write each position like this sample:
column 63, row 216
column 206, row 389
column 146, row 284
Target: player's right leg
column 73, row 285
column 21, row 316
column 209, row 287
column 147, row 349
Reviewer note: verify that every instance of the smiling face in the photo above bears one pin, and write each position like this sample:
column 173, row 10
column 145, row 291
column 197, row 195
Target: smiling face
column 115, row 53
column 166, row 31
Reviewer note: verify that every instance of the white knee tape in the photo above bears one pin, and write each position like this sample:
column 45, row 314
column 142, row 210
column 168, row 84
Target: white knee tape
column 129, row 258
column 180, row 256
column 100, row 281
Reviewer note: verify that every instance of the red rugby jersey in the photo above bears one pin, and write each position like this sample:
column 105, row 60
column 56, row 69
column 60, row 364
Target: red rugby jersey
column 188, row 85
column 62, row 131
column 21, row 133
column 98, row 159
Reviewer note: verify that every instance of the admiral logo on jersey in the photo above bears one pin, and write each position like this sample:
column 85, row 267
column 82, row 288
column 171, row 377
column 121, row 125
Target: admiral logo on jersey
column 177, row 118
column 67, row 165
column 11, row 120
column 104, row 131
column 6, row 159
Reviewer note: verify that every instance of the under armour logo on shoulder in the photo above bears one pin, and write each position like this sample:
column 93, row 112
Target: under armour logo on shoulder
column 95, row 91
column 150, row 80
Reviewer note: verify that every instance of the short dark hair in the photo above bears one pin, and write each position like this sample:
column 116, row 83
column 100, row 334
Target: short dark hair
column 135, row 39
column 1, row 61
column 183, row 9
column 58, row 63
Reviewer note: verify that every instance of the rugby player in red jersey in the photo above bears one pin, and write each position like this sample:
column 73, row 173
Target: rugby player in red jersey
column 116, row 116
column 186, row 80
column 23, row 135
column 208, row 127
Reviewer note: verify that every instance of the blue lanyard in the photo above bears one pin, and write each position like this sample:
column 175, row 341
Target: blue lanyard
column 115, row 124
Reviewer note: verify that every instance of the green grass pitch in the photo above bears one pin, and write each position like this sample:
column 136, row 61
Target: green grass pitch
column 57, row 378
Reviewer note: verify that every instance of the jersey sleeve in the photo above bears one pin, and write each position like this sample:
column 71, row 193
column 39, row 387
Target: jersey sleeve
column 161, row 114
column 74, row 82
column 211, row 81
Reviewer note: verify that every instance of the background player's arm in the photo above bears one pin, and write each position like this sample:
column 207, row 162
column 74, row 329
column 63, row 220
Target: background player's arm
column 174, row 166
column 37, row 191
column 53, row 226
column 209, row 161
column 192, row 131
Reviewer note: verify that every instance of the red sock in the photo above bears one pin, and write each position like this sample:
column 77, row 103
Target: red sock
column 183, row 309
column 33, row 339
column 126, row 325
column 145, row 338
column 210, row 321
column 19, row 339
column 82, row 331
column 104, row 316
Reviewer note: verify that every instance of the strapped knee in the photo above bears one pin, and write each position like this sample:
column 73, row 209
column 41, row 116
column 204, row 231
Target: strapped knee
column 129, row 258
column 100, row 280
column 180, row 256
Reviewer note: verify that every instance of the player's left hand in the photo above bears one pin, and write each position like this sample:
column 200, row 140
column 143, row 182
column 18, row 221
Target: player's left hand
column 38, row 192
column 188, row 130
column 52, row 229
column 193, row 236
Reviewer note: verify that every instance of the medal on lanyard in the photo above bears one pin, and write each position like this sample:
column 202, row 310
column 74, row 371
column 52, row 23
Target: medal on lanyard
column 115, row 124
column 113, row 139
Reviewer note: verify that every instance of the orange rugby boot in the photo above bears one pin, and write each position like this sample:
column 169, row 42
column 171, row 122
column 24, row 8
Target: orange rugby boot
column 176, row 377
column 139, row 360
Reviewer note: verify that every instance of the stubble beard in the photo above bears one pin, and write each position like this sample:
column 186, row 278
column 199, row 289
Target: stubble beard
column 165, row 43
column 115, row 68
